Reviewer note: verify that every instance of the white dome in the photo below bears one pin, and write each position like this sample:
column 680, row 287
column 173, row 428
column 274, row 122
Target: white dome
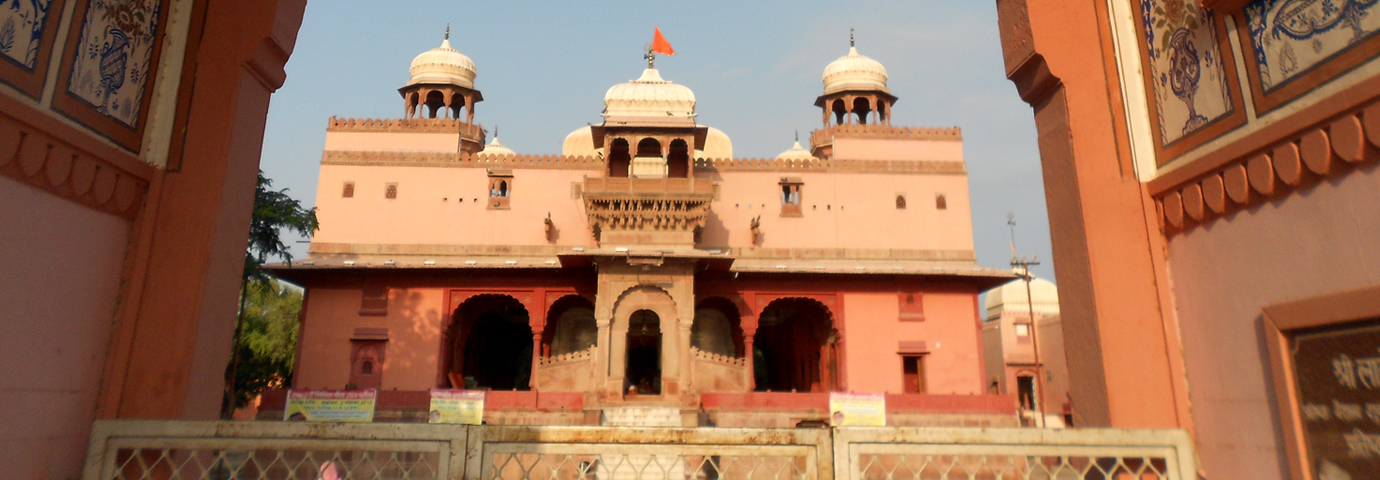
column 796, row 153
column 855, row 71
column 443, row 65
column 1012, row 297
column 649, row 96
column 495, row 148
column 580, row 143
column 716, row 145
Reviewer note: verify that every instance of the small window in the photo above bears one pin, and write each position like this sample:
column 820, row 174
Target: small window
column 791, row 196
column 940, row 203
column 900, row 202
column 349, row 190
column 913, row 374
column 500, row 188
column 390, row 191
column 1022, row 330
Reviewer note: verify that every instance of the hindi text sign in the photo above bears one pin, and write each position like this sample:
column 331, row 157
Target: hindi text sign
column 330, row 405
column 1337, row 371
column 457, row 406
column 857, row 409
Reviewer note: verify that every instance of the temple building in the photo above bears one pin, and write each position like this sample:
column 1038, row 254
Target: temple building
column 1010, row 340
column 645, row 265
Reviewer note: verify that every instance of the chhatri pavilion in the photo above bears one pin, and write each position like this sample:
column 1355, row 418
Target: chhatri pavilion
column 646, row 266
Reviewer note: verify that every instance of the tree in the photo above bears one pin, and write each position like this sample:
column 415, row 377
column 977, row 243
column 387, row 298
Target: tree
column 266, row 328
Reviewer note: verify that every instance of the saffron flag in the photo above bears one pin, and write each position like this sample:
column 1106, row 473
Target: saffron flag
column 660, row 45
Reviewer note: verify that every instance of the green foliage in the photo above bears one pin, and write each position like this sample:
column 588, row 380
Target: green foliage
column 268, row 340
column 266, row 330
column 274, row 211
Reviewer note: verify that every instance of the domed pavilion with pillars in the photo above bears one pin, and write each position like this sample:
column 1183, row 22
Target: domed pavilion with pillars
column 646, row 267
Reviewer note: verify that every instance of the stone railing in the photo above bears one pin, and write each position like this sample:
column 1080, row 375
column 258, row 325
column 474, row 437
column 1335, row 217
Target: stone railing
column 581, row 355
column 717, row 358
column 174, row 450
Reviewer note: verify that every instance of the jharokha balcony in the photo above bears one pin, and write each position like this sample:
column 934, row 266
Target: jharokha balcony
column 647, row 211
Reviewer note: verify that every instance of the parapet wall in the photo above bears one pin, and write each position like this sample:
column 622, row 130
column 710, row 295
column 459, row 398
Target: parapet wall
column 826, row 135
column 459, row 160
column 405, row 125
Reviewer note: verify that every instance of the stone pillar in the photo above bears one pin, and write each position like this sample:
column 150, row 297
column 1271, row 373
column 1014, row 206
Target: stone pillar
column 684, row 344
column 536, row 359
column 751, row 365
column 603, row 353
column 469, row 109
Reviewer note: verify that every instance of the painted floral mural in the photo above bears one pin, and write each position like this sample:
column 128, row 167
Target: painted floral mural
column 1186, row 69
column 21, row 29
column 1291, row 36
column 111, row 68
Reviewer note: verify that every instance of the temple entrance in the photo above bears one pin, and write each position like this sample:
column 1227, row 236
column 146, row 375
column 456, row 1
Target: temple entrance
column 644, row 353
column 795, row 348
column 491, row 344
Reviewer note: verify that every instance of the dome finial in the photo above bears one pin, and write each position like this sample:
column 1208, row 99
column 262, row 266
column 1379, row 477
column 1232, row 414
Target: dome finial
column 850, row 36
column 447, row 31
column 797, row 135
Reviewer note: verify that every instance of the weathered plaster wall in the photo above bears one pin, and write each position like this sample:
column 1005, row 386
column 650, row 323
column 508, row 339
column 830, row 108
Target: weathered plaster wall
column 1321, row 240
column 896, row 149
column 393, row 141
column 950, row 331
column 414, row 323
column 448, row 206
column 62, row 265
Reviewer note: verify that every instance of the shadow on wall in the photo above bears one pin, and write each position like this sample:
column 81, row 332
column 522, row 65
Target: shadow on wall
column 715, row 234
column 413, row 352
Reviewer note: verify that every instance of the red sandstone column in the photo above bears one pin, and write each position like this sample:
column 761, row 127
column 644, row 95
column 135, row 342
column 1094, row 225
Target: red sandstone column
column 536, row 359
column 179, row 310
column 751, row 367
column 1118, row 329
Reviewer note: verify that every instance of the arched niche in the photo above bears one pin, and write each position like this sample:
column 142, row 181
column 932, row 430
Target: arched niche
column 570, row 326
column 678, row 160
column 489, row 344
column 795, row 347
column 717, row 328
column 619, row 159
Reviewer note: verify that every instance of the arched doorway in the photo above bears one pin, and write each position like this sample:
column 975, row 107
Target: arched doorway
column 490, row 344
column 794, row 348
column 644, row 353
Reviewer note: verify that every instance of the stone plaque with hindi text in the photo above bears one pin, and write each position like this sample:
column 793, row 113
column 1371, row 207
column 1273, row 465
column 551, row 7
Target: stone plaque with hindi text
column 1337, row 370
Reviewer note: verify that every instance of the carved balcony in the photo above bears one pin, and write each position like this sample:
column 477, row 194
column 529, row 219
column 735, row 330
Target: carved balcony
column 663, row 212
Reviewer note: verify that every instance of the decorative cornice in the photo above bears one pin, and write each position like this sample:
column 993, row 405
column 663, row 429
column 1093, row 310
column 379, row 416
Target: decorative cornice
column 31, row 156
column 647, row 204
column 826, row 135
column 406, row 125
column 854, row 254
column 459, row 160
column 1330, row 148
column 830, row 165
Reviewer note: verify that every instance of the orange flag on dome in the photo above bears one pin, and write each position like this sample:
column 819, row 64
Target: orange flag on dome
column 660, row 45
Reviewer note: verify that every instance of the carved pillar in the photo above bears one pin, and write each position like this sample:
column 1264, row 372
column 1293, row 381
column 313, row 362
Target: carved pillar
column 751, row 366
column 848, row 108
column 536, row 359
column 469, row 109
column 602, row 350
column 826, row 114
column 684, row 344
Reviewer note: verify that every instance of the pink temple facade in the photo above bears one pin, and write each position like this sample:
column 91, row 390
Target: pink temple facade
column 645, row 265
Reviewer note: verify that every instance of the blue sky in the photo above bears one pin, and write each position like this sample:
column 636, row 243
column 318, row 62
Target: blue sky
column 754, row 67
